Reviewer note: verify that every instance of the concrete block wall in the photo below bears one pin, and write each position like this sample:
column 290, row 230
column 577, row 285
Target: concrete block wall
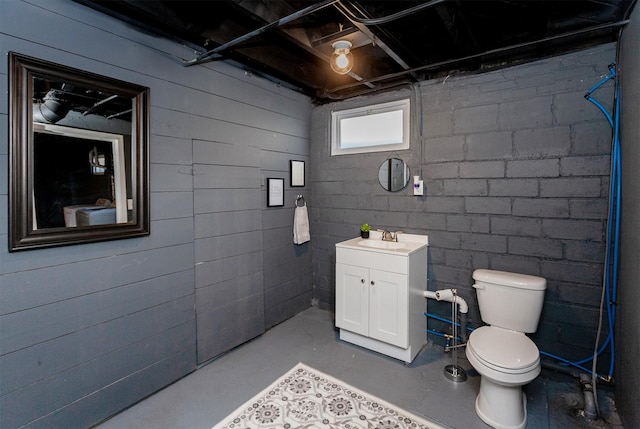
column 516, row 170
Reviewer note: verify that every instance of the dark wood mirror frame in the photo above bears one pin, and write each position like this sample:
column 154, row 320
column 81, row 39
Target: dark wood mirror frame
column 23, row 231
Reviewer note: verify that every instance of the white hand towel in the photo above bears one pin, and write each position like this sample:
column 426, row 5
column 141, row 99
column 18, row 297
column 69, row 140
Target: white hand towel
column 301, row 225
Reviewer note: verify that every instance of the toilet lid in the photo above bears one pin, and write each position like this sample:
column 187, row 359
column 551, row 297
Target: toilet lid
column 501, row 348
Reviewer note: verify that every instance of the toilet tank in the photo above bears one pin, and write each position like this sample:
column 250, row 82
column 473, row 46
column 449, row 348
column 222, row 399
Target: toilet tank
column 510, row 300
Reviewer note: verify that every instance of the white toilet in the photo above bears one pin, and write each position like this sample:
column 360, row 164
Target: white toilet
column 503, row 355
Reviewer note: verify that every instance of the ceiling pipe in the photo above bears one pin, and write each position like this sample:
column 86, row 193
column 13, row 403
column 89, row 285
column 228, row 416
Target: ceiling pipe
column 392, row 17
column 365, row 30
column 474, row 56
column 393, row 85
column 363, row 23
column 299, row 14
column 98, row 104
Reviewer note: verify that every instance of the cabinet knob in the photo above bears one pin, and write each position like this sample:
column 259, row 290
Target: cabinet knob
column 372, row 283
column 361, row 280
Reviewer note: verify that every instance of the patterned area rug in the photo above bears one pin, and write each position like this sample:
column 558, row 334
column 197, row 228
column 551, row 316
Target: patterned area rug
column 307, row 398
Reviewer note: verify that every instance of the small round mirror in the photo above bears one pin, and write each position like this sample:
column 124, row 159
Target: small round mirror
column 394, row 174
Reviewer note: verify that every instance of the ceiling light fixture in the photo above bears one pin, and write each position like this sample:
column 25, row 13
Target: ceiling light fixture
column 342, row 58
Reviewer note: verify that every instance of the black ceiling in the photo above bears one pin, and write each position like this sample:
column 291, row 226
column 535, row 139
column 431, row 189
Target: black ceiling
column 395, row 42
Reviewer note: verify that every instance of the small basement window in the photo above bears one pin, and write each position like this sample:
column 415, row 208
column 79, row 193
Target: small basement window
column 375, row 128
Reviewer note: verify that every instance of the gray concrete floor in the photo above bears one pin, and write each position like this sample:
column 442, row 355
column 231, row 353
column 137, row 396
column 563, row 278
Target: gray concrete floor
column 206, row 396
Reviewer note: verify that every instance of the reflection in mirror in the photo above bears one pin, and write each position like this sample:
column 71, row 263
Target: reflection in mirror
column 393, row 174
column 78, row 156
column 73, row 170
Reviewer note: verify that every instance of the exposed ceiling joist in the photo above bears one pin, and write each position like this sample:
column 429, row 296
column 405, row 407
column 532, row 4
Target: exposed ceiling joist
column 394, row 42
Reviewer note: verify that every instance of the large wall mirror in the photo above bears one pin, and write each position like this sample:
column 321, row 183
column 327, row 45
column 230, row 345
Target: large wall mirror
column 78, row 156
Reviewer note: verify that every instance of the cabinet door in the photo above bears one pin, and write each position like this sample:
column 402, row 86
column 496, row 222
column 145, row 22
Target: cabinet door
column 352, row 302
column 388, row 308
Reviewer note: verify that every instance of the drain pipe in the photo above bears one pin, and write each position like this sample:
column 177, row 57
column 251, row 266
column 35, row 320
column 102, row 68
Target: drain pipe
column 590, row 407
column 590, row 411
column 449, row 295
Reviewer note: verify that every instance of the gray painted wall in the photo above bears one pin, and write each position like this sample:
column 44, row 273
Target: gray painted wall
column 628, row 327
column 516, row 168
column 87, row 330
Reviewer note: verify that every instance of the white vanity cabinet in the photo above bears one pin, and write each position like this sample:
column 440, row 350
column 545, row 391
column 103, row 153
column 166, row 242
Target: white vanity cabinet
column 372, row 303
column 380, row 302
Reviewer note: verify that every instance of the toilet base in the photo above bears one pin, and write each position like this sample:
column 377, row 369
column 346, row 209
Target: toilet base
column 501, row 407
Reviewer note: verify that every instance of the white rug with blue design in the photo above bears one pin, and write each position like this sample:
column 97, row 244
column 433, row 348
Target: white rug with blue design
column 307, row 398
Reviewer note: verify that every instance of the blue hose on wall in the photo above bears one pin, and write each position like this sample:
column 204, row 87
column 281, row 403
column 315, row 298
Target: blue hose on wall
column 610, row 281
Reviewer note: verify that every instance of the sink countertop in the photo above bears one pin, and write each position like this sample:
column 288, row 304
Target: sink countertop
column 406, row 244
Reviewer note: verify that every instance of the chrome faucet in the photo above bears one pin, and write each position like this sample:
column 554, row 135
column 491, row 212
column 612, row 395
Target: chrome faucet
column 389, row 236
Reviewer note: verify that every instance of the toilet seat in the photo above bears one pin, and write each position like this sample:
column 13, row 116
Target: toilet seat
column 503, row 350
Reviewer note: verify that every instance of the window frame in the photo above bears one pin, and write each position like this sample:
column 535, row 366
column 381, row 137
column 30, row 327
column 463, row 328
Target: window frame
column 403, row 105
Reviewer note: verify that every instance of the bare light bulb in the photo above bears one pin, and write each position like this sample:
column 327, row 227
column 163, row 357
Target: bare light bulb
column 342, row 58
column 342, row 61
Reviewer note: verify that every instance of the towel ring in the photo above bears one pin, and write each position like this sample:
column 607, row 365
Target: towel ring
column 299, row 198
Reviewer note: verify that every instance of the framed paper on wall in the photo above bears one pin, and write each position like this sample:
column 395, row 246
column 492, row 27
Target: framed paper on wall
column 297, row 173
column 275, row 192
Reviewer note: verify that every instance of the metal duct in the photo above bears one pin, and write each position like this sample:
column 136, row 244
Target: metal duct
column 51, row 110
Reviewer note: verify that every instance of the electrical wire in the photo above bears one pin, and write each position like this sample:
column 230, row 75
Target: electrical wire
column 418, row 103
